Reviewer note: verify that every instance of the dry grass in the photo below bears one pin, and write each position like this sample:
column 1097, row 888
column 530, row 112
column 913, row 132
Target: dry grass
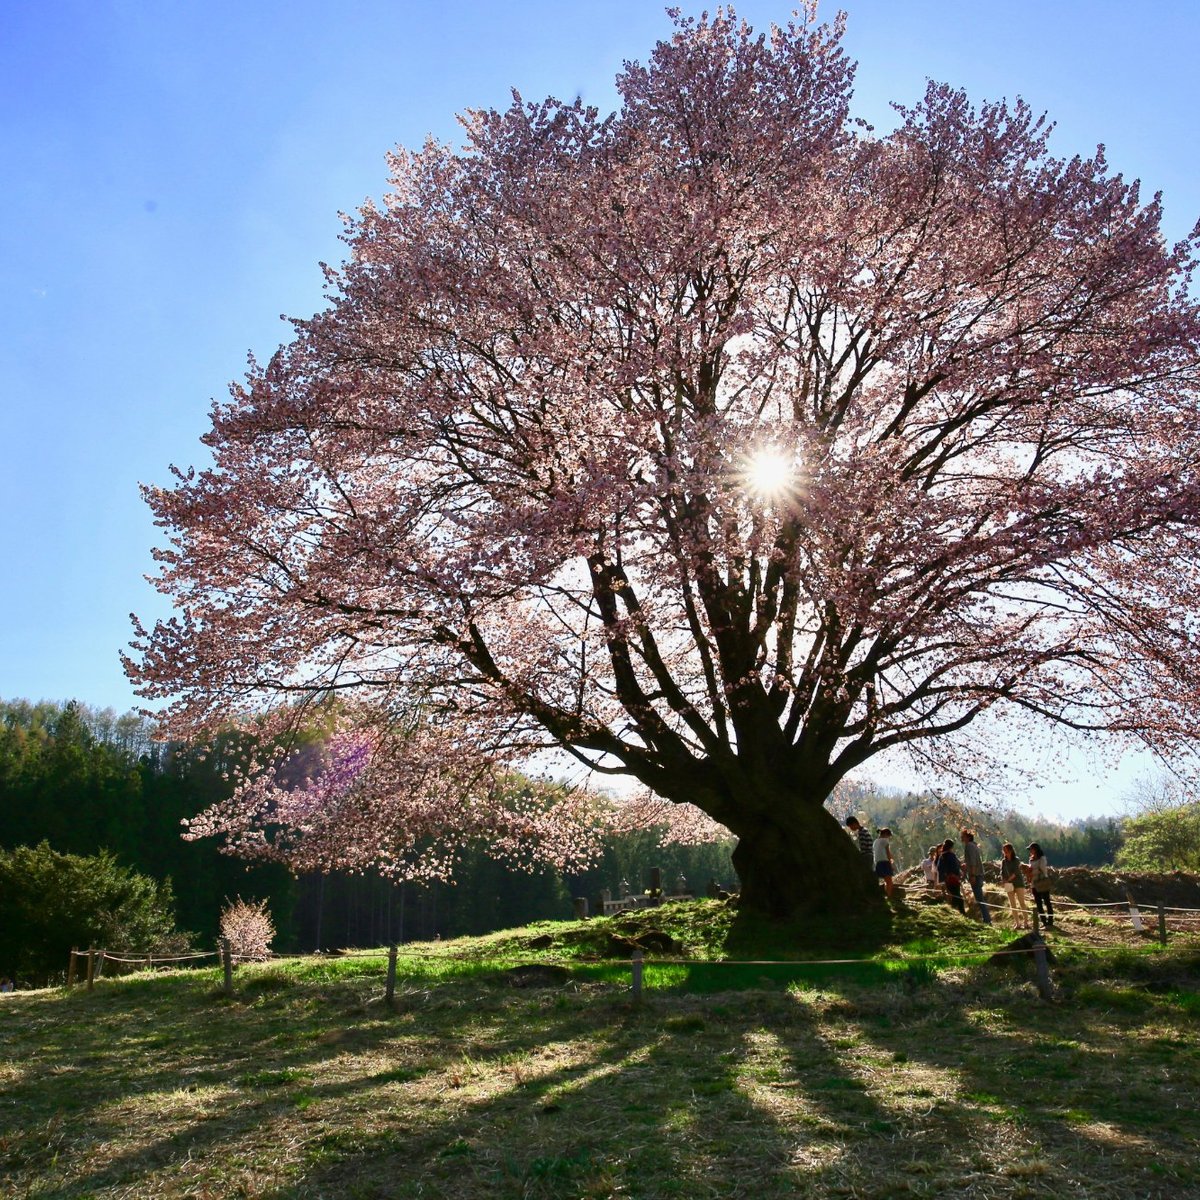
column 950, row 1078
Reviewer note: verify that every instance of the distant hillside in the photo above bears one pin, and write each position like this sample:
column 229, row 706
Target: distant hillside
column 918, row 820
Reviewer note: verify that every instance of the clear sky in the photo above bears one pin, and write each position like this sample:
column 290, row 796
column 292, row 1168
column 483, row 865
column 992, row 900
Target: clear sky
column 171, row 175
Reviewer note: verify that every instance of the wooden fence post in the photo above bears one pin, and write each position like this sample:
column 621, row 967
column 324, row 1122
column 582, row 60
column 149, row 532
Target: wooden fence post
column 391, row 973
column 1045, row 987
column 91, row 979
column 227, row 963
column 71, row 967
column 636, row 966
column 1162, row 924
column 1135, row 917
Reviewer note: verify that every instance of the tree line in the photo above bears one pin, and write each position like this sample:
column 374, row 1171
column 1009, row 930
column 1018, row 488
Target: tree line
column 88, row 782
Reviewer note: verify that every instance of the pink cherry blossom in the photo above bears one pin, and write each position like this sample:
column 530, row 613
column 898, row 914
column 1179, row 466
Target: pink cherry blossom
column 504, row 478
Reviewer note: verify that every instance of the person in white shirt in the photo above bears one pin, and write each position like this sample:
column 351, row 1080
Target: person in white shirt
column 929, row 866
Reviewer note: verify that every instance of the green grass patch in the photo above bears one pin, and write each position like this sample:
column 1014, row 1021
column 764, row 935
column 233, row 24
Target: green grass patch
column 269, row 1079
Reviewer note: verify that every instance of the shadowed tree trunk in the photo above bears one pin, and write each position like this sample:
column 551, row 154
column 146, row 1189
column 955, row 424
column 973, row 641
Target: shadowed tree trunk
column 802, row 863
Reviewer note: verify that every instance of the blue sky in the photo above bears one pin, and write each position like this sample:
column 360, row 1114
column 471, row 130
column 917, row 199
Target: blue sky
column 171, row 175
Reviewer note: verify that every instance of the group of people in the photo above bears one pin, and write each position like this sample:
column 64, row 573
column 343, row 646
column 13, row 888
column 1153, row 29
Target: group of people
column 945, row 872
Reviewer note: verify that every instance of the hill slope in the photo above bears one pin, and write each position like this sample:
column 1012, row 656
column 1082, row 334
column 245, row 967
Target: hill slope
column 919, row 1073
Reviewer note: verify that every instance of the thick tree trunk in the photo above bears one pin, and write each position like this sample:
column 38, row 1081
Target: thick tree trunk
column 799, row 863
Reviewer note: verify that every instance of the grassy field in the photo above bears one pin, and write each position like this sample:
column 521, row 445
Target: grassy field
column 920, row 1071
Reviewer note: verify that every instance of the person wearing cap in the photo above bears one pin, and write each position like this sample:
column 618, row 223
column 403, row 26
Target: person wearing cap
column 863, row 838
column 1038, row 874
column 973, row 868
column 882, row 852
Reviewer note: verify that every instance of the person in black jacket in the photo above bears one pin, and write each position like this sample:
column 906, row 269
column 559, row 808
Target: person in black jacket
column 1038, row 874
column 950, row 873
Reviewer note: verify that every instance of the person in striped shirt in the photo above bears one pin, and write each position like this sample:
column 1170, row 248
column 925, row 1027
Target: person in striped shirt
column 865, row 845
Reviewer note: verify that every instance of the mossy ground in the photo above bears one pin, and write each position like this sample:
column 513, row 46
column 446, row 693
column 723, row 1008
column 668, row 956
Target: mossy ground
column 918, row 1071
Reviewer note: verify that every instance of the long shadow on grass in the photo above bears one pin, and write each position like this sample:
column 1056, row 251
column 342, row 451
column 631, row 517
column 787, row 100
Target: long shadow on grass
column 1074, row 1082
column 1052, row 1061
column 495, row 1093
column 455, row 1094
column 119, row 1047
column 472, row 1091
column 669, row 1100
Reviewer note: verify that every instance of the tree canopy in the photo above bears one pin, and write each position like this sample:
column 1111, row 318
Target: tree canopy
column 721, row 442
column 1163, row 831
column 51, row 902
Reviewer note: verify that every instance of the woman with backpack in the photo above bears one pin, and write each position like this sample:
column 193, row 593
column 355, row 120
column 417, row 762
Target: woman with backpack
column 1038, row 874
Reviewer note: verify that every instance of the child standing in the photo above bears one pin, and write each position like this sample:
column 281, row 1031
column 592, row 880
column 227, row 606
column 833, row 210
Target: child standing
column 884, row 867
column 929, row 866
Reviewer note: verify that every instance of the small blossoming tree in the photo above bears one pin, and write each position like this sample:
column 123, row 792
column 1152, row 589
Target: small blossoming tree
column 247, row 926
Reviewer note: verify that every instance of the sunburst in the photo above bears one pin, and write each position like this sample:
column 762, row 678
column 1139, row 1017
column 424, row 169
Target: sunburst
column 770, row 473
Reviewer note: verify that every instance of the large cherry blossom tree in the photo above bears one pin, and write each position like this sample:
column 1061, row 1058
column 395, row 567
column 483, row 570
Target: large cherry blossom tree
column 719, row 442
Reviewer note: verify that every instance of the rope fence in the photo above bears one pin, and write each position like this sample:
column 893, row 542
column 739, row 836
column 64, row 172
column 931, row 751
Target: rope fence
column 157, row 960
column 94, row 960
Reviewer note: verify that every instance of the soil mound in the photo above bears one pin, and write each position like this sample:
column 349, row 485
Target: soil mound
column 1098, row 885
column 1087, row 885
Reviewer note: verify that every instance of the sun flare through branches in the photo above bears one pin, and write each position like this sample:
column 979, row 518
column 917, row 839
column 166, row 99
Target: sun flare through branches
column 771, row 474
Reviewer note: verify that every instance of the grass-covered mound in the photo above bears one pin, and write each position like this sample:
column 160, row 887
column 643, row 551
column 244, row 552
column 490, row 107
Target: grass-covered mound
column 915, row 1071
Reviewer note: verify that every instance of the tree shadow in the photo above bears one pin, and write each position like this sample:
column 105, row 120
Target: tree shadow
column 646, row 1090
column 753, row 936
column 825, row 1087
column 659, row 1107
